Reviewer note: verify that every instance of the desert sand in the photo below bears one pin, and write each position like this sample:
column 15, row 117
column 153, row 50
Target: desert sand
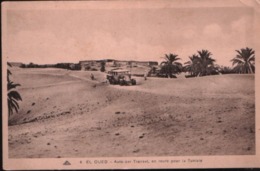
column 65, row 114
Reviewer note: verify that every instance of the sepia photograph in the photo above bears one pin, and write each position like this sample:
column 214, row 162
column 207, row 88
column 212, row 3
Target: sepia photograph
column 142, row 84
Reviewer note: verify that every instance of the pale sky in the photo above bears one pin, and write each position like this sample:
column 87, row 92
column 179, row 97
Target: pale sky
column 52, row 32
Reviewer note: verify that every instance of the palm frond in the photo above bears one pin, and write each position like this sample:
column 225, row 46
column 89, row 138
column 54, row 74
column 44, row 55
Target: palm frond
column 244, row 61
column 12, row 95
column 9, row 72
column 9, row 64
column 251, row 58
column 12, row 106
column 177, row 63
column 163, row 63
column 15, row 95
column 11, row 85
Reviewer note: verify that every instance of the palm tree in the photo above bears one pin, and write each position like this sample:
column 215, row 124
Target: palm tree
column 192, row 65
column 170, row 65
column 206, row 63
column 201, row 64
column 244, row 61
column 13, row 96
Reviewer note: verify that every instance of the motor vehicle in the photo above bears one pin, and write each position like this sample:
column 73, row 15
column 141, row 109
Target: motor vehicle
column 121, row 77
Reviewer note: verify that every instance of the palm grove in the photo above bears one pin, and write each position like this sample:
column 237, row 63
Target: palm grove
column 200, row 64
column 203, row 64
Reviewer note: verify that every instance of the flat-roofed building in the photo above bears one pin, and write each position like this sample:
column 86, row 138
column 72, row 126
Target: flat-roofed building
column 16, row 64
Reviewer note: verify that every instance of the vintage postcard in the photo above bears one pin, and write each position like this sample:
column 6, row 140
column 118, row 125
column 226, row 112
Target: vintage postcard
column 130, row 84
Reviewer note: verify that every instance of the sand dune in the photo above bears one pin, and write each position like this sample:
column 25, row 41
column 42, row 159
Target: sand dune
column 65, row 114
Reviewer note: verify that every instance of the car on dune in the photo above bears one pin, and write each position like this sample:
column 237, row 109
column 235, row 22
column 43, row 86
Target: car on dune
column 121, row 77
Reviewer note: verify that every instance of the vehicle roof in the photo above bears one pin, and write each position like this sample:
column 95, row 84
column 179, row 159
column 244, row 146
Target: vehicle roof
column 119, row 70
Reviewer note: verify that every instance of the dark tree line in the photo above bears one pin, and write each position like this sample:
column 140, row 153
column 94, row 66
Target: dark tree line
column 203, row 64
column 69, row 66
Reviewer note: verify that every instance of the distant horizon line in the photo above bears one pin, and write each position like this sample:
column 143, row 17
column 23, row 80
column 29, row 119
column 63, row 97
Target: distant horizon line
column 88, row 60
column 101, row 60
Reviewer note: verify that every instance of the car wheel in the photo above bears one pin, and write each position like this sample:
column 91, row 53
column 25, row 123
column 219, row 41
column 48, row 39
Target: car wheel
column 133, row 82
